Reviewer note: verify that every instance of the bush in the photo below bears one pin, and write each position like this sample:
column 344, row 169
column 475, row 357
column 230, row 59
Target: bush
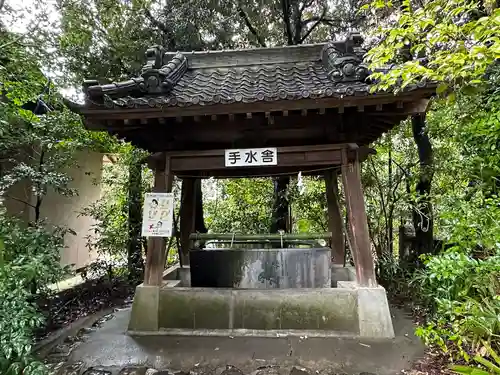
column 462, row 295
column 111, row 235
column 393, row 277
column 29, row 262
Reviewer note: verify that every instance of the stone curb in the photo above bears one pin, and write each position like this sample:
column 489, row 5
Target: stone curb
column 43, row 347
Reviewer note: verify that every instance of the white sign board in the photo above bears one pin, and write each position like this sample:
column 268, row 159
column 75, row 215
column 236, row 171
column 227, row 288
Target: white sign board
column 158, row 214
column 249, row 157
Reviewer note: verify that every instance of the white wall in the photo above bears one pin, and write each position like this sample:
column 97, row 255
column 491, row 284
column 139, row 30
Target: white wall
column 66, row 211
column 60, row 210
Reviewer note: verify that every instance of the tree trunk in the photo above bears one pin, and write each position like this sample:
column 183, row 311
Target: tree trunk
column 390, row 201
column 422, row 211
column 281, row 205
column 199, row 220
column 135, row 263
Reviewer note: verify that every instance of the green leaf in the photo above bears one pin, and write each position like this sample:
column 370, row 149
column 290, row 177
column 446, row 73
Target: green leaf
column 442, row 87
column 463, row 370
column 493, row 368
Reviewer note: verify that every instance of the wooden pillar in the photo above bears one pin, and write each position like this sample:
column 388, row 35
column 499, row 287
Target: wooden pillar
column 187, row 217
column 358, row 223
column 155, row 257
column 169, row 182
column 335, row 224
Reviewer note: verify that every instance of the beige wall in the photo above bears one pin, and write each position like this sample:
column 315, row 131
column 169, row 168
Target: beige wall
column 16, row 202
column 60, row 210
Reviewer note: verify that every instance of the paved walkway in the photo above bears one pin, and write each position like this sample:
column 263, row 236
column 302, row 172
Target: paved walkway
column 106, row 349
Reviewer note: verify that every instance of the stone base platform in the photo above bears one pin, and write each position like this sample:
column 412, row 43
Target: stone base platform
column 345, row 311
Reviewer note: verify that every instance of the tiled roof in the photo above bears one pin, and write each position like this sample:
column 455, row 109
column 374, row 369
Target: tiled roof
column 204, row 78
column 249, row 84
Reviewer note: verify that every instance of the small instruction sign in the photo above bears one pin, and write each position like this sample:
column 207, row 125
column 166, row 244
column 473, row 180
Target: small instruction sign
column 251, row 157
column 158, row 213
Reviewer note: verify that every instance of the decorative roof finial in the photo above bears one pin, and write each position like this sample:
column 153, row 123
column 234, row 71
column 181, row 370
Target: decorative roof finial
column 154, row 58
column 344, row 60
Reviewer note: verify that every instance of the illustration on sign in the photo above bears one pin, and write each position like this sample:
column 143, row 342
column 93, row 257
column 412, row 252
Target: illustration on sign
column 251, row 157
column 157, row 215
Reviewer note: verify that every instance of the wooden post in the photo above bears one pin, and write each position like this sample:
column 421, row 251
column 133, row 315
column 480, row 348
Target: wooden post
column 335, row 224
column 155, row 257
column 358, row 223
column 187, row 217
column 169, row 182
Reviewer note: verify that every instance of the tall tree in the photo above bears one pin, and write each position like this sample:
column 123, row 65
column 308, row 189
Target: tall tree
column 450, row 42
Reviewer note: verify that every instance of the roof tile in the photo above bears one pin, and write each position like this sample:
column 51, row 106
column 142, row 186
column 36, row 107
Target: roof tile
column 173, row 80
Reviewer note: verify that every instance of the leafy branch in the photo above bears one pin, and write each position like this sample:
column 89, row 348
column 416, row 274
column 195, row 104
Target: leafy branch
column 318, row 21
column 249, row 25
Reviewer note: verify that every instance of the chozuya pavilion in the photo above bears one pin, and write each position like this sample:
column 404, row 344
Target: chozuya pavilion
column 248, row 113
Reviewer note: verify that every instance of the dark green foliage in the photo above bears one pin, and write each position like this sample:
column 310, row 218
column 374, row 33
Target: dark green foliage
column 309, row 209
column 114, row 237
column 134, row 203
column 460, row 286
column 39, row 141
column 27, row 253
column 462, row 294
column 242, row 206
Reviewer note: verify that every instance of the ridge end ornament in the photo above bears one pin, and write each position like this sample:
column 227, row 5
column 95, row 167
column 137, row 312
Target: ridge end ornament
column 160, row 78
column 344, row 60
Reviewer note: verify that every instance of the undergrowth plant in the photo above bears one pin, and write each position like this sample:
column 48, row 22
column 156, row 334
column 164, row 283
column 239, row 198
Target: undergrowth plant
column 462, row 295
column 492, row 367
column 27, row 253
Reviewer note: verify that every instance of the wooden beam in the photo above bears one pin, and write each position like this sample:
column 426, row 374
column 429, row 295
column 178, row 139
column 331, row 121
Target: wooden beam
column 290, row 160
column 358, row 222
column 240, row 107
column 270, row 118
column 335, row 220
column 287, row 157
column 419, row 106
column 286, row 131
